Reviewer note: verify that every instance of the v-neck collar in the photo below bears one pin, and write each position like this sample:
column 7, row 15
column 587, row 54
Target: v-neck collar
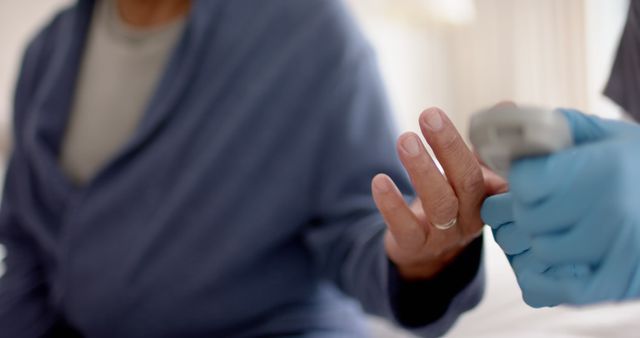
column 48, row 124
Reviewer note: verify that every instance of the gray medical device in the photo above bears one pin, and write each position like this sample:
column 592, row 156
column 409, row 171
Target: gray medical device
column 506, row 133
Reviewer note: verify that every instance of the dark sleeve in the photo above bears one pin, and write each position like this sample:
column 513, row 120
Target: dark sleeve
column 24, row 310
column 623, row 86
column 416, row 304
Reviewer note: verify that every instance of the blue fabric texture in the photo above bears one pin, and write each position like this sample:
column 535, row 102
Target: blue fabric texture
column 570, row 225
column 241, row 207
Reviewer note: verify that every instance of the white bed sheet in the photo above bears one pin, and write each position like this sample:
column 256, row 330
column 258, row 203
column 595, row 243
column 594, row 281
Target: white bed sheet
column 502, row 313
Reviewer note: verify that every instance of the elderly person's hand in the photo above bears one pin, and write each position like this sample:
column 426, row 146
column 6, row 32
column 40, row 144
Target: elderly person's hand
column 426, row 235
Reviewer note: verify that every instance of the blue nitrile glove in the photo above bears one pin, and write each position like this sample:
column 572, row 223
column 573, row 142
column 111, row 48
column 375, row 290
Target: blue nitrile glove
column 570, row 224
column 497, row 211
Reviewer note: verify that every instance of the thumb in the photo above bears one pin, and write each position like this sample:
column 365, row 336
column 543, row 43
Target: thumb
column 588, row 128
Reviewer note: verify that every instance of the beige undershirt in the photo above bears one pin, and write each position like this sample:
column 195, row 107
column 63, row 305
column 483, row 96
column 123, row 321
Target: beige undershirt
column 120, row 69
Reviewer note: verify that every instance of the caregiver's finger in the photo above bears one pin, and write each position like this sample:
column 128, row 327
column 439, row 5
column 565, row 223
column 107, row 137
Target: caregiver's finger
column 401, row 221
column 527, row 261
column 511, row 239
column 497, row 210
column 438, row 198
column 543, row 290
column 531, row 180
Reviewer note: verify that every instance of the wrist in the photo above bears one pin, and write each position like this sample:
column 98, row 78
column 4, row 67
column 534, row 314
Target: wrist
column 427, row 268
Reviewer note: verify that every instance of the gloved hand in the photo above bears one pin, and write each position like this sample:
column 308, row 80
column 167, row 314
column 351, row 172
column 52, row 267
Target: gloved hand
column 570, row 224
column 497, row 211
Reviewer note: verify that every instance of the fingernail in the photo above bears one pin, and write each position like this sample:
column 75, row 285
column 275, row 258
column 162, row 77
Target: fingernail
column 433, row 120
column 411, row 146
column 382, row 184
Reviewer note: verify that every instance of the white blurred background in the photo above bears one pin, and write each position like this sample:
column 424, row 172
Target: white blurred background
column 460, row 55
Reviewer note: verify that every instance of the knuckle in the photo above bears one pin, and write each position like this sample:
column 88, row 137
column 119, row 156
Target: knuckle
column 391, row 206
column 471, row 181
column 419, row 168
column 543, row 252
column 449, row 142
column 445, row 206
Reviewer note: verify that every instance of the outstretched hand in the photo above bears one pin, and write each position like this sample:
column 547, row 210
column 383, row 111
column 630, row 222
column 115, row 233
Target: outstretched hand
column 423, row 237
